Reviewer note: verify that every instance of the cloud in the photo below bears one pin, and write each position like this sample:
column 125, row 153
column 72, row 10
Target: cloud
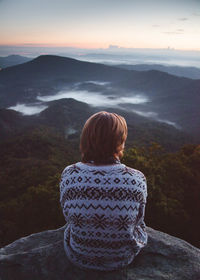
column 177, row 32
column 196, row 14
column 113, row 47
column 183, row 19
column 28, row 109
column 155, row 25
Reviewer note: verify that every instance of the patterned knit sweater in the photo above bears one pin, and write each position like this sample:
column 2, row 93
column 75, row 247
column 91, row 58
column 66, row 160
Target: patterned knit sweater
column 104, row 210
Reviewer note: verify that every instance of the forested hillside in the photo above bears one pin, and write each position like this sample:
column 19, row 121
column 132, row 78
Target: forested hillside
column 30, row 169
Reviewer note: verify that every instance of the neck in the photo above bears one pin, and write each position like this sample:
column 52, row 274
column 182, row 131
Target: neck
column 110, row 160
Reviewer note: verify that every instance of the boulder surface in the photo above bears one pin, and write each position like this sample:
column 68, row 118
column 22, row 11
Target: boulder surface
column 41, row 256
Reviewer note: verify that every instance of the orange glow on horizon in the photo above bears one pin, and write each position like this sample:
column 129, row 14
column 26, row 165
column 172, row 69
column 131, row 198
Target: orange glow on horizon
column 59, row 45
column 88, row 46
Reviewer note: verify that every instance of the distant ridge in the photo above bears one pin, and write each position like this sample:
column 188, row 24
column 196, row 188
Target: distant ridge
column 12, row 60
column 57, row 67
column 187, row 72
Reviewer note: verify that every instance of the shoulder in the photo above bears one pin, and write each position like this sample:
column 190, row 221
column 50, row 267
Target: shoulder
column 137, row 179
column 70, row 169
column 133, row 172
column 68, row 172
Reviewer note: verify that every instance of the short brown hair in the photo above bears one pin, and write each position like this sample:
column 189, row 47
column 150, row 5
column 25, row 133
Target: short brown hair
column 102, row 137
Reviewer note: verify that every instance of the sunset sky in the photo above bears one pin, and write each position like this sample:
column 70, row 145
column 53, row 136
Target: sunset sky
column 99, row 23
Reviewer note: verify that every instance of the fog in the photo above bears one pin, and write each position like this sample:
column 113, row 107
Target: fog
column 167, row 61
column 164, row 57
column 100, row 83
column 155, row 116
column 30, row 109
column 95, row 98
column 70, row 131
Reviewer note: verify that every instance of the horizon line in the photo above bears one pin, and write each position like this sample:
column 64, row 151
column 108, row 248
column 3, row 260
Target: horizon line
column 110, row 47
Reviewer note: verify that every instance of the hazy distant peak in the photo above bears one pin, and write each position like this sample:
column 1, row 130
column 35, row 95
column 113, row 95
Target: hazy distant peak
column 163, row 75
column 13, row 60
column 14, row 56
column 53, row 58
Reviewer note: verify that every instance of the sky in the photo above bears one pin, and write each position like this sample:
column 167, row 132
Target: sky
column 99, row 23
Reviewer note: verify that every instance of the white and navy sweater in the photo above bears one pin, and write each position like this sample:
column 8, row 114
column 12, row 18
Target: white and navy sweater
column 104, row 210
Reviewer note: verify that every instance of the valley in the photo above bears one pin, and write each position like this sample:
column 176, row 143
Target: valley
column 156, row 95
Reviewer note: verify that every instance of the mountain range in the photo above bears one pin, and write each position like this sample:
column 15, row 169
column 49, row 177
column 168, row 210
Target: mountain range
column 172, row 101
column 181, row 71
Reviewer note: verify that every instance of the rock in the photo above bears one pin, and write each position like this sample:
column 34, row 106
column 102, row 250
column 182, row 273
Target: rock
column 41, row 256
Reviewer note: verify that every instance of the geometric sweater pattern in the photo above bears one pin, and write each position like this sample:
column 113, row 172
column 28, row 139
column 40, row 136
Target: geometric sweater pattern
column 104, row 210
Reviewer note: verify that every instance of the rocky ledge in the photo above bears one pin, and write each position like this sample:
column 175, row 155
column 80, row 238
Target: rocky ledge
column 41, row 256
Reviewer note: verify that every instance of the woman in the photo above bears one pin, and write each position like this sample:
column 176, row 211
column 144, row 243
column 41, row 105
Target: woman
column 103, row 201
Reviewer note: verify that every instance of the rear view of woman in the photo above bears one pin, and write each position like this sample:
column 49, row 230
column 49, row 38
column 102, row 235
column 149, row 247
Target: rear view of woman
column 103, row 200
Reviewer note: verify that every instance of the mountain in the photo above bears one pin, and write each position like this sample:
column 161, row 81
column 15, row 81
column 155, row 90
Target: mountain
column 12, row 60
column 12, row 123
column 171, row 99
column 67, row 117
column 64, row 116
column 54, row 71
column 181, row 71
column 46, row 74
column 47, row 67
column 174, row 100
column 154, row 82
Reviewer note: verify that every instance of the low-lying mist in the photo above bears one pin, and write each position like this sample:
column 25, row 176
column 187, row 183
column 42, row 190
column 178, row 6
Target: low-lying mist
column 94, row 98
column 106, row 97
column 29, row 109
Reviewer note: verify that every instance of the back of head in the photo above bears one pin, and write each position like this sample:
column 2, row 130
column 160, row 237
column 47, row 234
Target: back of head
column 103, row 137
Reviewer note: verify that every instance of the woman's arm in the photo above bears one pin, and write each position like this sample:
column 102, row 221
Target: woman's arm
column 140, row 228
